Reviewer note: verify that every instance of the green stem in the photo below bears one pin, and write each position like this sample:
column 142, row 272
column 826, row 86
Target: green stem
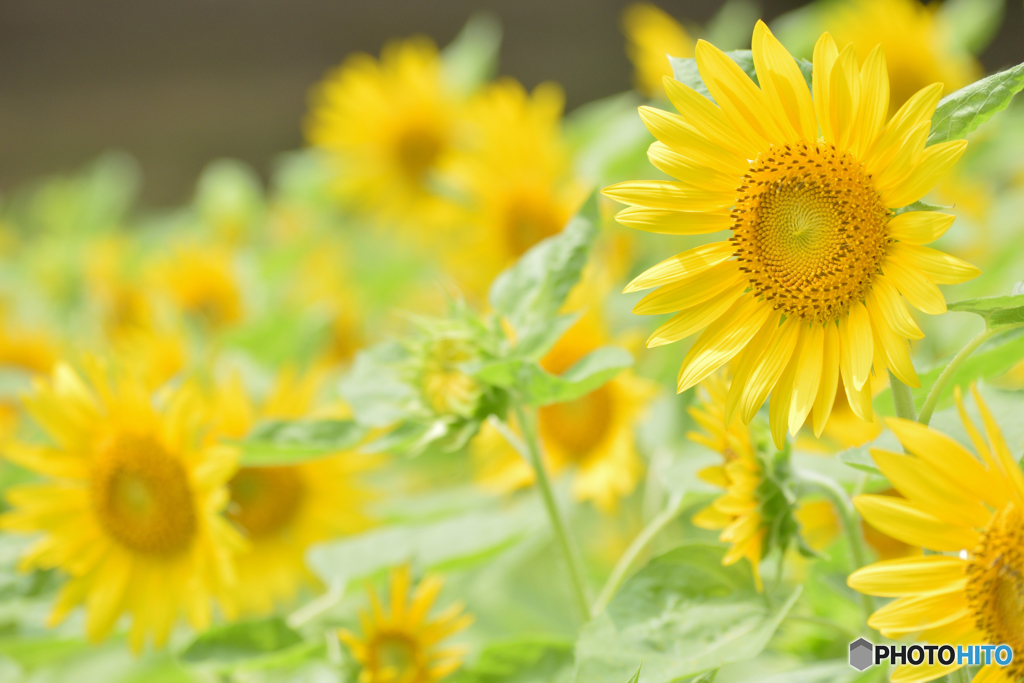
column 569, row 550
column 940, row 383
column 902, row 397
column 622, row 567
column 851, row 527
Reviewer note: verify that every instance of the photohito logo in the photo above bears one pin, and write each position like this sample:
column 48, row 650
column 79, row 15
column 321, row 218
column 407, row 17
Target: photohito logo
column 864, row 654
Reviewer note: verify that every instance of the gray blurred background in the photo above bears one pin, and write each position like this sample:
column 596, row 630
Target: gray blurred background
column 178, row 83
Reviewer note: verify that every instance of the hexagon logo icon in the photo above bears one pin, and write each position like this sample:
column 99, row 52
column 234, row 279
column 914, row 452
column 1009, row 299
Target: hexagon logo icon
column 861, row 654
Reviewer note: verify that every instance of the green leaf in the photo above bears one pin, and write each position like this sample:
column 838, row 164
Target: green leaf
column 540, row 388
column 472, row 58
column 684, row 614
column 995, row 358
column 261, row 643
column 998, row 311
column 960, row 113
column 686, row 72
column 286, row 442
column 531, row 292
column 375, row 389
column 972, row 23
column 636, row 676
column 530, row 659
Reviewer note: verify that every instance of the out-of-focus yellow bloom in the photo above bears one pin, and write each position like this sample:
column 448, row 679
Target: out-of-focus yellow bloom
column 738, row 511
column 391, row 126
column 593, row 434
column 968, row 508
column 114, row 288
column 652, row 36
column 820, row 526
column 129, row 507
column 26, row 349
column 914, row 39
column 199, row 279
column 283, row 510
column 516, row 173
column 320, row 285
column 401, row 642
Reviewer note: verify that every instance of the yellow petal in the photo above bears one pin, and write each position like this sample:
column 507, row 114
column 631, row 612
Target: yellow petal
column 937, row 266
column 782, row 394
column 920, row 227
column 825, row 56
column 918, row 290
column 783, row 85
column 886, row 299
column 919, row 612
column 709, row 119
column 910, row 576
column 771, row 364
column 667, row 194
column 682, row 266
column 692, row 320
column 826, row 397
column 687, row 170
column 685, row 139
column 737, row 96
column 874, row 101
column 906, row 522
column 893, row 346
column 671, row 222
column 918, row 109
column 746, row 363
column 858, row 342
column 844, row 97
column 936, row 162
column 691, row 291
column 722, row 340
column 808, row 376
column 1006, row 460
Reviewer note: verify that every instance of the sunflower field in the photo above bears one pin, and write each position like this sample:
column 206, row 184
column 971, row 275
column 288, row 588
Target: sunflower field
column 401, row 415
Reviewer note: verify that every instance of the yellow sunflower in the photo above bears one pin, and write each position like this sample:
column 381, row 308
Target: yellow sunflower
column 400, row 643
column 516, row 173
column 390, row 125
column 737, row 512
column 915, row 41
column 200, row 280
column 652, row 36
column 593, row 435
column 283, row 510
column 809, row 285
column 129, row 504
column 967, row 507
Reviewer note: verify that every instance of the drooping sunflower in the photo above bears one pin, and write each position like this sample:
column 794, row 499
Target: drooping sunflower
column 391, row 126
column 129, row 504
column 969, row 509
column 283, row 510
column 808, row 287
column 401, row 642
column 651, row 37
column 516, row 173
column 915, row 40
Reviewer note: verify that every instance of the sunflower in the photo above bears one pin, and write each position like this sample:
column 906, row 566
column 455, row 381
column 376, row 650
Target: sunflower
column 200, row 280
column 592, row 435
column 390, row 125
column 401, row 643
column 738, row 513
column 652, row 36
column 516, row 173
column 283, row 510
column 129, row 503
column 967, row 507
column 915, row 40
column 808, row 287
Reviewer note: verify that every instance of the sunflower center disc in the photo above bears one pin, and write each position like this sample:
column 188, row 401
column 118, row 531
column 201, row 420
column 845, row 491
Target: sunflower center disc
column 264, row 499
column 417, row 149
column 995, row 584
column 395, row 652
column 810, row 230
column 142, row 496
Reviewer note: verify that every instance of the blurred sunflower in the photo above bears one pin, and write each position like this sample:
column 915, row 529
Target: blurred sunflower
column 400, row 643
column 283, row 510
column 130, row 504
column 970, row 506
column 915, row 41
column 516, row 172
column 798, row 296
column 593, row 435
column 652, row 36
column 390, row 124
column 200, row 280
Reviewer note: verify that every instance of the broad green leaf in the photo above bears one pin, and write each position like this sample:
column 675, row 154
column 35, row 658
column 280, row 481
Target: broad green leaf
column 684, row 614
column 993, row 359
column 971, row 23
column 472, row 58
column 260, row 643
column 686, row 72
column 998, row 311
column 960, row 113
column 531, row 292
column 530, row 659
column 286, row 442
column 540, row 388
column 535, row 345
column 463, row 540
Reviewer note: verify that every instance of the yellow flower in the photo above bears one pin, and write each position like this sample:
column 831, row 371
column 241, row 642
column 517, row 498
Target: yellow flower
column 737, row 512
column 915, row 41
column 390, row 125
column 516, row 172
column 652, row 36
column 283, row 510
column 593, row 434
column 968, row 508
column 129, row 507
column 201, row 282
column 124, row 306
column 809, row 285
column 400, row 643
